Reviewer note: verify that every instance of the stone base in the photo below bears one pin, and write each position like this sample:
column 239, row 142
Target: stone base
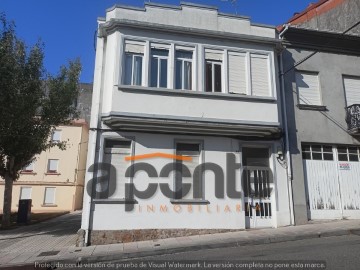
column 126, row 236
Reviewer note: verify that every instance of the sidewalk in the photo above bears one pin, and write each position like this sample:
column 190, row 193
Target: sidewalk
column 171, row 245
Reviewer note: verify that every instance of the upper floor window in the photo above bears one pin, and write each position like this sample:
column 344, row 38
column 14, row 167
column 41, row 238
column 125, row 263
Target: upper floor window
column 159, row 67
column 52, row 165
column 317, row 152
column 56, row 135
column 183, row 70
column 213, row 71
column 308, row 88
column 237, row 73
column 134, row 54
column 260, row 75
column 352, row 90
column 29, row 168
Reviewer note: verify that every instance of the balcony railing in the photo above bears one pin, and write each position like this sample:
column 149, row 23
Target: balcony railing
column 353, row 118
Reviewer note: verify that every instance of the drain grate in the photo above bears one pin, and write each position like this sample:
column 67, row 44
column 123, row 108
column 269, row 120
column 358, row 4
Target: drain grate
column 49, row 253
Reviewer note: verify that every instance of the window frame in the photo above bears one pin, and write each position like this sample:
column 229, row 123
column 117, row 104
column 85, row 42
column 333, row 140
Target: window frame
column 183, row 60
column 159, row 58
column 48, row 171
column 132, row 79
column 313, row 73
column 321, row 152
column 201, row 161
column 52, row 135
column 54, row 199
column 213, row 63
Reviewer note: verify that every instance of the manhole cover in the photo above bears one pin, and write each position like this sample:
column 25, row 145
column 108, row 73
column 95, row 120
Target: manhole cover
column 49, row 253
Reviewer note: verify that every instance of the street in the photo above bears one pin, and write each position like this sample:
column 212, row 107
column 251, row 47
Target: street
column 341, row 252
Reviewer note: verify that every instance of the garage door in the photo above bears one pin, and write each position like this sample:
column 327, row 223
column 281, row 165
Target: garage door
column 332, row 175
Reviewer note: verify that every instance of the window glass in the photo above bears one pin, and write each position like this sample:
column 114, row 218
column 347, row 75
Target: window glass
column 316, row 156
column 25, row 193
column 187, row 75
column 53, row 165
column 137, row 73
column 256, row 157
column 179, row 74
column 159, row 68
column 208, row 77
column 217, row 80
column 55, row 136
column 49, row 197
column 128, row 69
column 163, row 73
column 154, row 72
column 343, row 157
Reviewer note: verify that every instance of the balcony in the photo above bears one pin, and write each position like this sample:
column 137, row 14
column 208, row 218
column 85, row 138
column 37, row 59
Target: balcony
column 353, row 119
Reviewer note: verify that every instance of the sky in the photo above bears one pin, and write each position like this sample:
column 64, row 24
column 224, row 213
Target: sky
column 67, row 27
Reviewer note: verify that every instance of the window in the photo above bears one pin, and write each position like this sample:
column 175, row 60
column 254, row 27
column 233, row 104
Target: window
column 308, row 88
column 29, row 168
column 192, row 150
column 317, row 152
column 348, row 153
column 159, row 67
column 114, row 185
column 213, row 70
column 237, row 73
column 25, row 193
column 183, row 70
column 260, row 83
column 258, row 157
column 49, row 197
column 52, row 165
column 56, row 136
column 134, row 54
column 352, row 90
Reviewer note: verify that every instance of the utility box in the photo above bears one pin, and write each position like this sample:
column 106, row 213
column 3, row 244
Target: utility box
column 24, row 211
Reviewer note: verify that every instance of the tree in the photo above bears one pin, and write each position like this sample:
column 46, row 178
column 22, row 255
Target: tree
column 32, row 104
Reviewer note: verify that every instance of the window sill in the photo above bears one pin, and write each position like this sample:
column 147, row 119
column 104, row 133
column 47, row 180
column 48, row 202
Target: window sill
column 49, row 205
column 312, row 107
column 114, row 201
column 177, row 92
column 189, row 201
column 52, row 173
column 25, row 172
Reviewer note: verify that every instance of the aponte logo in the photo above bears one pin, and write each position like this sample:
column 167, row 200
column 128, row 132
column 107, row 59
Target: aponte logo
column 103, row 186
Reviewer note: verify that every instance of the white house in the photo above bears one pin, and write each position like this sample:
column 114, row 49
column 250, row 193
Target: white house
column 184, row 82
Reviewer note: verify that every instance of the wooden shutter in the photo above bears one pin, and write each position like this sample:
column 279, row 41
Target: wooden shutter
column 308, row 88
column 237, row 73
column 352, row 90
column 260, row 75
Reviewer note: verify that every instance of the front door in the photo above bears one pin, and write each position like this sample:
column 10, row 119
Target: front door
column 258, row 187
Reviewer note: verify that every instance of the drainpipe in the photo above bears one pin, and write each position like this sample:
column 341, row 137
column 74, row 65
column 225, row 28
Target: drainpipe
column 288, row 156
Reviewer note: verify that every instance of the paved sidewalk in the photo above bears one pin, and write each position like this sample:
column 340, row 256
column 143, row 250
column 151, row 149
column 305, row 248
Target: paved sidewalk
column 171, row 245
column 59, row 232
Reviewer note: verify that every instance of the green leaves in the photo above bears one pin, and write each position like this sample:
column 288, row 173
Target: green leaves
column 32, row 103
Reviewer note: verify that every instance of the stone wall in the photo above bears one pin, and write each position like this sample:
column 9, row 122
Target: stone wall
column 126, row 236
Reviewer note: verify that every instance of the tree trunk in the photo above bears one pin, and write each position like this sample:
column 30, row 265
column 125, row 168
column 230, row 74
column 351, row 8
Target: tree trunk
column 6, row 222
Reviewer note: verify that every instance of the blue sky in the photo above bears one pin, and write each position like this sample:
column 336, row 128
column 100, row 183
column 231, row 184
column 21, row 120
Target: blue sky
column 67, row 26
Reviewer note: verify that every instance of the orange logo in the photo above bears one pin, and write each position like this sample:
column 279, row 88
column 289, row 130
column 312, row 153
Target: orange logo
column 156, row 155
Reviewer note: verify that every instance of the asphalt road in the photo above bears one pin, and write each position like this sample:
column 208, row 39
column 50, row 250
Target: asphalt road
column 342, row 252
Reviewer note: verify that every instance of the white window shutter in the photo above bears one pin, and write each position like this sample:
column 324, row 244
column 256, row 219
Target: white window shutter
column 25, row 193
column 260, row 75
column 56, row 135
column 49, row 195
column 352, row 90
column 53, row 165
column 115, row 155
column 214, row 55
column 134, row 48
column 308, row 88
column 237, row 74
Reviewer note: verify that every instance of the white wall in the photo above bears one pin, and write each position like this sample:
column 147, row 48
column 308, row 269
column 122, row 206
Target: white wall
column 114, row 216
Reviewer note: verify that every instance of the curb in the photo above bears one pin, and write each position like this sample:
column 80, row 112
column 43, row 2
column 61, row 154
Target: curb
column 235, row 243
column 200, row 246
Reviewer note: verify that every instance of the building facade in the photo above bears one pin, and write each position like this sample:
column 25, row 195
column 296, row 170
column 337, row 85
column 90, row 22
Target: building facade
column 55, row 180
column 184, row 95
column 322, row 86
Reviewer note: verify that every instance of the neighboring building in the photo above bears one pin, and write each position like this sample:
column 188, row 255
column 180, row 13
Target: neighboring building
column 55, row 180
column 322, row 86
column 187, row 81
